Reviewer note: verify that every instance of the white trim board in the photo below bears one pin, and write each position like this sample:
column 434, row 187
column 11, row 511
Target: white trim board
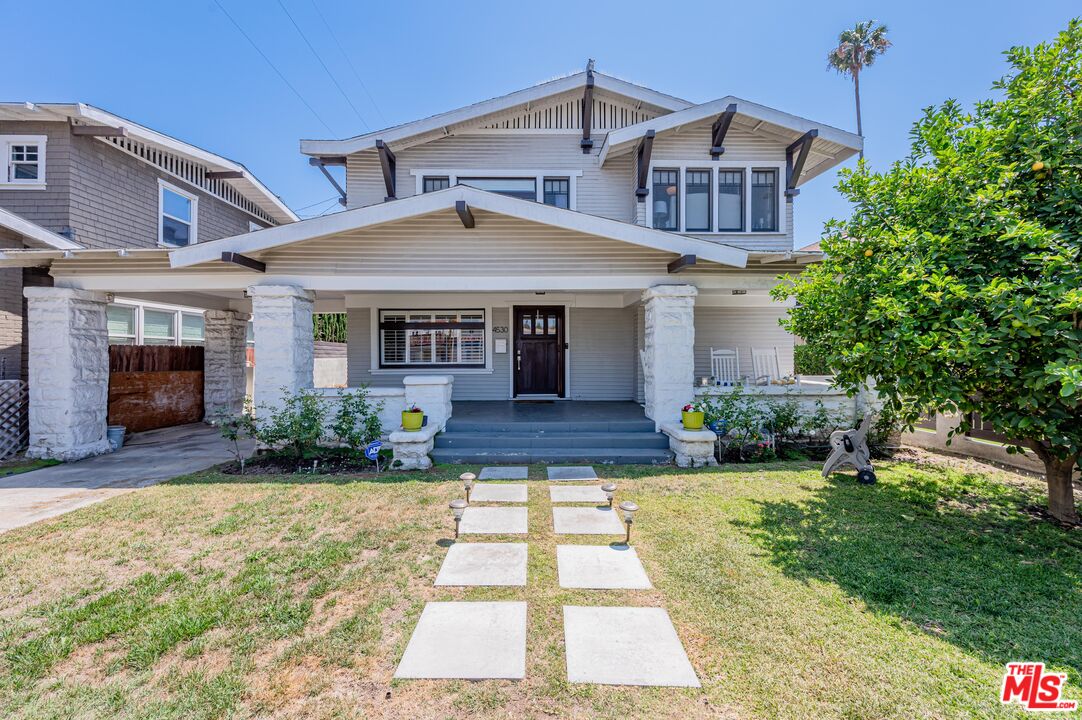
column 34, row 234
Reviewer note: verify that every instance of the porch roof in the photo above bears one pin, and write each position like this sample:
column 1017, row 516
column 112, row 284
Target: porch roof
column 33, row 234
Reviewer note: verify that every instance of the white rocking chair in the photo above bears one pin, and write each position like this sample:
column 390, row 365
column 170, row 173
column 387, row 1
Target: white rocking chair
column 725, row 366
column 765, row 364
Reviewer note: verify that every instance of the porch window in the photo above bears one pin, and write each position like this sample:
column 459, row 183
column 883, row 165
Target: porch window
column 432, row 338
column 159, row 327
column 120, row 320
column 558, row 192
column 764, row 200
column 730, row 201
column 666, row 199
column 697, row 206
column 191, row 329
column 24, row 158
column 432, row 184
column 521, row 188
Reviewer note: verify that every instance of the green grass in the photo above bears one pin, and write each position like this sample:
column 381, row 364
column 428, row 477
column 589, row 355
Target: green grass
column 220, row 596
column 19, row 465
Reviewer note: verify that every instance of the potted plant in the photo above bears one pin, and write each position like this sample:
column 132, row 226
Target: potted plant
column 412, row 418
column 692, row 415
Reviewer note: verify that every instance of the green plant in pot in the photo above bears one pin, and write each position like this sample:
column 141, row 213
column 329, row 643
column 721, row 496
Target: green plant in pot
column 412, row 418
column 692, row 416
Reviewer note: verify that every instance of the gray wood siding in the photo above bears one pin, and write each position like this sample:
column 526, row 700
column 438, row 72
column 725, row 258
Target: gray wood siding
column 740, row 329
column 603, row 353
column 493, row 386
column 48, row 207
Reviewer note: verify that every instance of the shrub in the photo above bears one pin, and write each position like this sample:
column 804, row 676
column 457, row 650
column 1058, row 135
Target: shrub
column 809, row 360
column 357, row 421
column 296, row 427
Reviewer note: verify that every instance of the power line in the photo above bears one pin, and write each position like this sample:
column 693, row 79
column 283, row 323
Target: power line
column 317, row 202
column 342, row 50
column 333, row 201
column 274, row 67
column 325, row 68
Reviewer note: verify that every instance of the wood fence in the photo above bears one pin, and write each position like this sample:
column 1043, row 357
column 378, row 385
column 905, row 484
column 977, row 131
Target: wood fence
column 155, row 386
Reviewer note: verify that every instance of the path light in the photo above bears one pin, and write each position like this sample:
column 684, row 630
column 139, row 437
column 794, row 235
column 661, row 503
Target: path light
column 609, row 489
column 629, row 509
column 457, row 508
column 467, row 483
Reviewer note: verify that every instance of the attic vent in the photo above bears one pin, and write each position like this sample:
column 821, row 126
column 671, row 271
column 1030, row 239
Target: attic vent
column 191, row 173
column 567, row 115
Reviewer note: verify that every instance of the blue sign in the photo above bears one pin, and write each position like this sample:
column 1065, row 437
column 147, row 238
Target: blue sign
column 371, row 450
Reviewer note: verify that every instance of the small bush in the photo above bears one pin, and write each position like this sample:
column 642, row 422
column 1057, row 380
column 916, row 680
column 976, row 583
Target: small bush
column 357, row 421
column 809, row 361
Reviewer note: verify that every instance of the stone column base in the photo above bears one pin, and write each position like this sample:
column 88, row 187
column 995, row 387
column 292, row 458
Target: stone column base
column 412, row 449
column 431, row 393
column 692, row 448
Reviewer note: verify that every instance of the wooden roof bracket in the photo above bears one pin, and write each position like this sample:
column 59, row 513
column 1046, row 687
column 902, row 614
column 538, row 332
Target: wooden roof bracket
column 681, row 264
column 642, row 159
column 720, row 129
column 244, row 261
column 464, row 214
column 795, row 157
column 587, row 142
column 388, row 163
column 322, row 163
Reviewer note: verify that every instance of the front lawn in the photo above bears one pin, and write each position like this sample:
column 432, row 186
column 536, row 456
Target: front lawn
column 795, row 597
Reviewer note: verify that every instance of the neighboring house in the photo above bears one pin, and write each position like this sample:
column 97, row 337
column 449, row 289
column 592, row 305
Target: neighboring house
column 585, row 239
column 76, row 177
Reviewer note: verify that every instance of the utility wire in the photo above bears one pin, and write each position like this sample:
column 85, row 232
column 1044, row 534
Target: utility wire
column 329, row 205
column 352, row 67
column 274, row 67
column 317, row 202
column 325, row 68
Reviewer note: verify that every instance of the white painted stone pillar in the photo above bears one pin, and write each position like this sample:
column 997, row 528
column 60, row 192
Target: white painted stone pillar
column 69, row 373
column 431, row 393
column 669, row 351
column 224, row 382
column 282, row 315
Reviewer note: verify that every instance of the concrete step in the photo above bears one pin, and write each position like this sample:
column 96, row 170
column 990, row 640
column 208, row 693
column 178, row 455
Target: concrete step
column 577, row 426
column 586, row 455
column 556, row 440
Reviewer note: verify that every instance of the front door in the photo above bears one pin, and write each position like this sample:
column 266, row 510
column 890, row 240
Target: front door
column 539, row 350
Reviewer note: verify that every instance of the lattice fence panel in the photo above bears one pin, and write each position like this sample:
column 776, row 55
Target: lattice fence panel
column 13, row 417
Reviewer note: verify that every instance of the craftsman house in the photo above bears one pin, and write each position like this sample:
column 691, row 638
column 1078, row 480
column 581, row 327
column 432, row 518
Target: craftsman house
column 593, row 246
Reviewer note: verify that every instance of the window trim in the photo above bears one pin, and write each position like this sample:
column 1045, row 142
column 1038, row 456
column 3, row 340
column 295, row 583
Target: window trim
column 193, row 226
column 38, row 183
column 486, row 334
column 743, row 200
column 375, row 340
column 678, row 196
column 711, row 189
column 452, row 175
column 777, row 205
column 179, row 311
column 716, row 166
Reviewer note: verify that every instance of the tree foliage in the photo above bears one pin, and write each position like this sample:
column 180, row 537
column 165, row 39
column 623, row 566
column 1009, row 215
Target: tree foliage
column 957, row 282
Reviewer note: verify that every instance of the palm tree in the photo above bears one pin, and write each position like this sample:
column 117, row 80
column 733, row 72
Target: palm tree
column 857, row 49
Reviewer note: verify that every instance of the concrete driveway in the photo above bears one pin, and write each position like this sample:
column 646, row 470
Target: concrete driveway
column 146, row 459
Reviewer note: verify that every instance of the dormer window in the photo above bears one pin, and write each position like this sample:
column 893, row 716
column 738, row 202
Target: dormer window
column 558, row 192
column 24, row 157
column 521, row 188
column 667, row 199
column 730, row 201
column 697, row 200
column 432, row 184
column 764, row 200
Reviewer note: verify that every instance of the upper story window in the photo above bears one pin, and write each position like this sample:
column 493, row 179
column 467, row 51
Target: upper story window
column 522, row 188
column 178, row 215
column 730, row 200
column 24, row 160
column 666, row 199
column 697, row 200
column 432, row 338
column 432, row 184
column 764, row 200
column 558, row 192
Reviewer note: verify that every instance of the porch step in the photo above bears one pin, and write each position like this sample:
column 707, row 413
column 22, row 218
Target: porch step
column 586, row 455
column 554, row 426
column 552, row 440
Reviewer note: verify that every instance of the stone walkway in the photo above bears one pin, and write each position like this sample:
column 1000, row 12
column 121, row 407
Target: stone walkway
column 487, row 640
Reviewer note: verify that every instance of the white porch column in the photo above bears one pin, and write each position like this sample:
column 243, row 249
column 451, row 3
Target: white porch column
column 283, row 341
column 69, row 373
column 224, row 383
column 669, row 352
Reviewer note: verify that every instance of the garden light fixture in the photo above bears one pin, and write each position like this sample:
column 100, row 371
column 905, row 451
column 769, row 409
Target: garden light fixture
column 458, row 507
column 467, row 483
column 609, row 489
column 629, row 509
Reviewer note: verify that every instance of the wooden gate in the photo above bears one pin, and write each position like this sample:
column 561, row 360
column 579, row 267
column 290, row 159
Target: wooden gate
column 155, row 386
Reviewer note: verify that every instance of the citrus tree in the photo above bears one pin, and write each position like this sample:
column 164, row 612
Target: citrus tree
column 956, row 284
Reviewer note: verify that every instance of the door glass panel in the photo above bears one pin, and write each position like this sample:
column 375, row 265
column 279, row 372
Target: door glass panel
column 527, row 324
column 551, row 325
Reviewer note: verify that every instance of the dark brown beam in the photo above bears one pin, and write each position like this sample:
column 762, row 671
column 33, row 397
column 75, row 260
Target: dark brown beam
column 387, row 162
column 642, row 157
column 98, row 131
column 244, row 261
column 681, row 263
column 587, row 143
column 332, row 181
column 329, row 160
column 718, row 132
column 794, row 166
column 464, row 213
column 224, row 174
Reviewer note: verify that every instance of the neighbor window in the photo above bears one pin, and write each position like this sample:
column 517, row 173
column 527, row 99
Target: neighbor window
column 522, row 188
column 178, row 211
column 432, row 184
column 558, row 192
column 697, row 203
column 159, row 327
column 730, row 200
column 432, row 338
column 666, row 199
column 764, row 200
column 24, row 158
column 120, row 320
column 191, row 329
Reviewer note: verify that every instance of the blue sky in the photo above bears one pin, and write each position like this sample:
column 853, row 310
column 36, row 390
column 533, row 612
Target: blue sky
column 184, row 69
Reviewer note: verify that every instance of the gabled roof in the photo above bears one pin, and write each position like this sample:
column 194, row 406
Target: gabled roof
column 831, row 147
column 35, row 235
column 247, row 184
column 416, row 205
column 435, row 123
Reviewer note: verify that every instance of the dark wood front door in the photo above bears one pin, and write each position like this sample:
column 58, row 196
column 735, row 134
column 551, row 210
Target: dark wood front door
column 539, row 350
